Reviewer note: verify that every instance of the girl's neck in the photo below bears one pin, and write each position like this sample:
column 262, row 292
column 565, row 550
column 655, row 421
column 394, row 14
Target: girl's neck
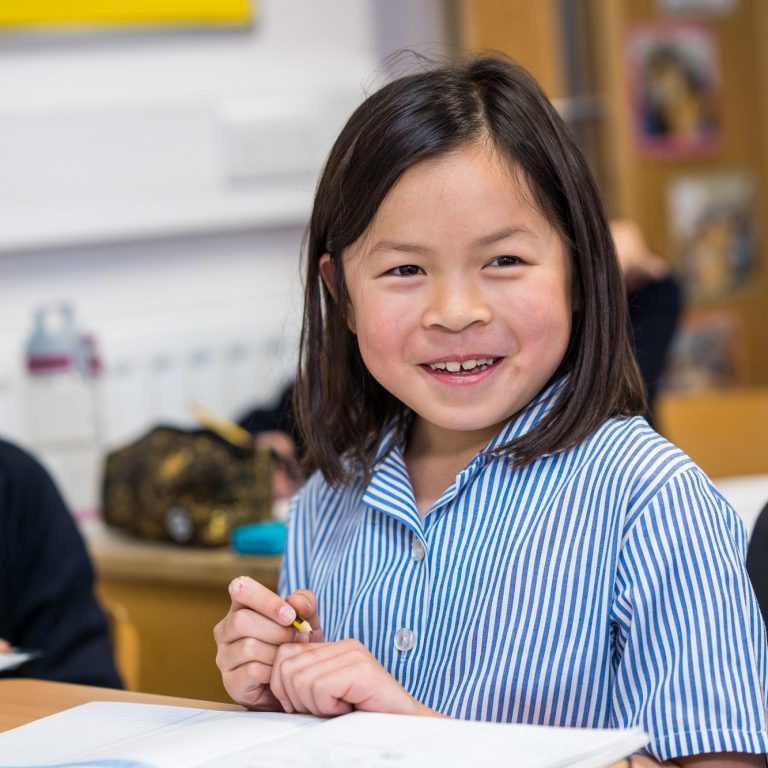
column 434, row 457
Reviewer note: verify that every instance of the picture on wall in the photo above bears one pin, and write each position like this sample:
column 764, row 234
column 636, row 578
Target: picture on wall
column 712, row 224
column 674, row 85
column 708, row 353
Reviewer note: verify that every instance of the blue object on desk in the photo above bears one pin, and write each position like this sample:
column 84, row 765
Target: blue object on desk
column 259, row 538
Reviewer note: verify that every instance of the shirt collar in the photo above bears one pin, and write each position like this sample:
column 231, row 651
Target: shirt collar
column 389, row 489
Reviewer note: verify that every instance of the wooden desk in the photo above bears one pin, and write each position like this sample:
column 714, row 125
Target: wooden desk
column 173, row 596
column 26, row 700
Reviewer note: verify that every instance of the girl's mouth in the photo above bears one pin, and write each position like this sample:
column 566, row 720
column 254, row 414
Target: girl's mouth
column 468, row 367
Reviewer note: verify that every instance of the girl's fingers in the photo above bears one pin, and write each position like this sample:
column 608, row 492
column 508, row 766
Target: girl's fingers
column 305, row 602
column 296, row 667
column 299, row 698
column 244, row 622
column 248, row 684
column 322, row 686
column 247, row 593
column 288, row 660
column 233, row 655
column 327, row 694
column 277, row 681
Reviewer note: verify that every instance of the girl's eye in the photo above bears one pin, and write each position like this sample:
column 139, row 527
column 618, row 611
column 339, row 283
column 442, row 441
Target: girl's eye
column 506, row 261
column 406, row 270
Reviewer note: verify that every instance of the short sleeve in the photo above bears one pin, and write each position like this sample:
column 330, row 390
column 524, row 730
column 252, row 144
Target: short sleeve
column 689, row 641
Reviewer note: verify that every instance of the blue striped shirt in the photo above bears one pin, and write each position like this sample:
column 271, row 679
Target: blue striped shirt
column 600, row 586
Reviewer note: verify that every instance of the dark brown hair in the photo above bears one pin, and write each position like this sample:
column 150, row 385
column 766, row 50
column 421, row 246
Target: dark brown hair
column 341, row 408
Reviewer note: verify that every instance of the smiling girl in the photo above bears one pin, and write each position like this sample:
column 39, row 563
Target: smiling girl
column 493, row 531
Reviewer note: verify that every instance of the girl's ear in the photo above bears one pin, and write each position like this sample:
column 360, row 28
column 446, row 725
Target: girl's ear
column 328, row 273
column 327, row 267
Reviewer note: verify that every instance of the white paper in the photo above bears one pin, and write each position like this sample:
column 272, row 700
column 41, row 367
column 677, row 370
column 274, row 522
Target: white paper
column 15, row 658
column 384, row 741
column 117, row 735
column 146, row 735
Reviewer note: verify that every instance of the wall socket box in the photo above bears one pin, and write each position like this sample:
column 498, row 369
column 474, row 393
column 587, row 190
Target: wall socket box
column 259, row 144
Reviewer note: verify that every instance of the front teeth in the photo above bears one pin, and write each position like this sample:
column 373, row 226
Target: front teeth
column 454, row 366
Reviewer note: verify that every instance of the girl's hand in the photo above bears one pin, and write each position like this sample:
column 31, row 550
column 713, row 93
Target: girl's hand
column 335, row 678
column 286, row 475
column 248, row 637
column 5, row 646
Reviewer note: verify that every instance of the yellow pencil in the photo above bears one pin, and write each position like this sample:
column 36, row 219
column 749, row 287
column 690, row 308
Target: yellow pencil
column 224, row 428
column 302, row 625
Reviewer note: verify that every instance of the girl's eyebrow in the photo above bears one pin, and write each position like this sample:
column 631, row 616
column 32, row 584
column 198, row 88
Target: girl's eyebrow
column 502, row 234
column 494, row 237
column 392, row 245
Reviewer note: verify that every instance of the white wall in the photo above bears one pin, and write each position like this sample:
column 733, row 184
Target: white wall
column 175, row 133
column 123, row 191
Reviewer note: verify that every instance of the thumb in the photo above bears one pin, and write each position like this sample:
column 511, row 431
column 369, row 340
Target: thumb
column 304, row 602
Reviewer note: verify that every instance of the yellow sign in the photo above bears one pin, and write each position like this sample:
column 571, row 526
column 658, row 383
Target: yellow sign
column 56, row 13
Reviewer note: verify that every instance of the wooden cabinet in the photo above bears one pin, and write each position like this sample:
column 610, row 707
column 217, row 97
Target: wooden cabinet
column 725, row 433
column 168, row 599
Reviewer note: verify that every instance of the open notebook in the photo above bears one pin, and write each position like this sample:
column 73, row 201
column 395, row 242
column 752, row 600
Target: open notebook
column 117, row 735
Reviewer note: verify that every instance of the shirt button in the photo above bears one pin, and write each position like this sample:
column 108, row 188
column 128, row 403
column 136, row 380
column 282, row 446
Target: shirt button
column 417, row 550
column 405, row 639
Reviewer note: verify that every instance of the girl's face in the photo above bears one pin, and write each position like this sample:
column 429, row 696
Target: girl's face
column 459, row 296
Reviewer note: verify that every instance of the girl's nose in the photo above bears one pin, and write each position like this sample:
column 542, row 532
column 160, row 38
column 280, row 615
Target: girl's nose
column 455, row 306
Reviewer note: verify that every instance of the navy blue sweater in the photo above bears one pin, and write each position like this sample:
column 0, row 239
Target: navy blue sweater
column 46, row 580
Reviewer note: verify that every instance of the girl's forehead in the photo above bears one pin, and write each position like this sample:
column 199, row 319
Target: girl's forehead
column 474, row 184
column 479, row 159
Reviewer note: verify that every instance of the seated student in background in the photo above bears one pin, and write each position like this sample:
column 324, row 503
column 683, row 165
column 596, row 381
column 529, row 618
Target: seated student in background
column 276, row 429
column 655, row 301
column 46, row 581
column 493, row 531
column 757, row 560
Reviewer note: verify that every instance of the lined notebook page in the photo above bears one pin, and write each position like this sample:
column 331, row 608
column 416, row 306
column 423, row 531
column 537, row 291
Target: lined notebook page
column 385, row 741
column 143, row 734
column 116, row 735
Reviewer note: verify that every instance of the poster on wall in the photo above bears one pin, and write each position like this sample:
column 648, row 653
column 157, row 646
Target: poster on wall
column 713, row 228
column 674, row 84
column 55, row 15
column 708, row 353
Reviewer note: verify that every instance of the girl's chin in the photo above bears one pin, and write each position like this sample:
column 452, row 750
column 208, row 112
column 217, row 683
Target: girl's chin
column 459, row 430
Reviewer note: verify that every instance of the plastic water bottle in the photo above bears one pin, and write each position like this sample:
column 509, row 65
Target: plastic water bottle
column 64, row 423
